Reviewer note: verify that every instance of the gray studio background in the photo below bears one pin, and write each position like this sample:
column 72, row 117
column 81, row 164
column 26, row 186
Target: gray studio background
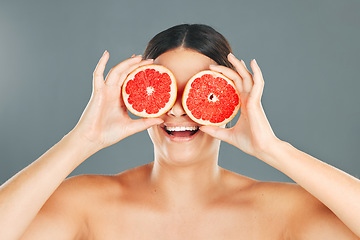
column 308, row 51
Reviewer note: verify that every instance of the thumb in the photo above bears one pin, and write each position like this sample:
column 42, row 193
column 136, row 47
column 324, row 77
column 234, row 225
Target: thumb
column 216, row 132
column 144, row 123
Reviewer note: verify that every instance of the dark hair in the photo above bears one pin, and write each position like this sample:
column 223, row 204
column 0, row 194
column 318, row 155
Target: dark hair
column 198, row 37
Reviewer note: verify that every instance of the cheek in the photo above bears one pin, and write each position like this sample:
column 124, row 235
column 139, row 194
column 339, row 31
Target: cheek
column 209, row 142
column 153, row 134
column 157, row 136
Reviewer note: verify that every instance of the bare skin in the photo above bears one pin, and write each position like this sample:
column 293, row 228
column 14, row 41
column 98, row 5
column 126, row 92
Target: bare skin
column 131, row 207
column 183, row 193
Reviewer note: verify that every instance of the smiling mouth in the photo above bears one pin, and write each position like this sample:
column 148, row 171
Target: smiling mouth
column 182, row 132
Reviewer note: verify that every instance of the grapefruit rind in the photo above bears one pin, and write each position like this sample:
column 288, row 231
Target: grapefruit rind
column 187, row 91
column 173, row 91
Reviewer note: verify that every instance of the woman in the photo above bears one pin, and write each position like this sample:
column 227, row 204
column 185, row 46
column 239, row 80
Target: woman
column 183, row 193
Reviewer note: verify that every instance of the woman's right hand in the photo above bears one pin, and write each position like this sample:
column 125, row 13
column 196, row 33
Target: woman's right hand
column 105, row 120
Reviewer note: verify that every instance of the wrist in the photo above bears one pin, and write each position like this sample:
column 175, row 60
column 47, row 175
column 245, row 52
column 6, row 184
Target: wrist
column 271, row 153
column 80, row 141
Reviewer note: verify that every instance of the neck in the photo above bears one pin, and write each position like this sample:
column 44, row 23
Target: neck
column 183, row 185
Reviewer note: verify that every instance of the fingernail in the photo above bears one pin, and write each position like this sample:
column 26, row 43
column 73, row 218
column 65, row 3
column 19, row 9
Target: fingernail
column 105, row 52
column 242, row 61
column 255, row 61
column 232, row 55
column 132, row 56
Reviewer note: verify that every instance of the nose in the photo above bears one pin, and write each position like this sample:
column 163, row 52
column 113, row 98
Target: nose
column 177, row 109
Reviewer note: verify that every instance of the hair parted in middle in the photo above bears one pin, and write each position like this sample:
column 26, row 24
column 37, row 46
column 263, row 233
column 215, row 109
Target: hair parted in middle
column 199, row 37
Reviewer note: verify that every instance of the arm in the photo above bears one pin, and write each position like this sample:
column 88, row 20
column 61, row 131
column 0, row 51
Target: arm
column 337, row 190
column 65, row 213
column 104, row 122
column 308, row 218
column 252, row 133
column 24, row 194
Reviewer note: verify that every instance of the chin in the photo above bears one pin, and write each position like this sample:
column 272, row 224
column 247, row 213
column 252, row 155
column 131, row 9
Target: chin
column 183, row 153
column 183, row 157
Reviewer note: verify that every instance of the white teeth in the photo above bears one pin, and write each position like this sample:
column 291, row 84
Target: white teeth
column 171, row 129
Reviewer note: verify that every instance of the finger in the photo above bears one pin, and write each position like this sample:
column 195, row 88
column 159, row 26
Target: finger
column 139, row 125
column 244, row 73
column 125, row 73
column 216, row 132
column 230, row 74
column 258, row 80
column 116, row 70
column 98, row 74
column 242, row 61
column 124, row 68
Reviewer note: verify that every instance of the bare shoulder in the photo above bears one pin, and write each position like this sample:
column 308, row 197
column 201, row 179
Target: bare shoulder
column 267, row 196
column 76, row 195
column 307, row 217
column 95, row 189
column 65, row 213
column 77, row 202
column 88, row 184
column 289, row 208
column 83, row 186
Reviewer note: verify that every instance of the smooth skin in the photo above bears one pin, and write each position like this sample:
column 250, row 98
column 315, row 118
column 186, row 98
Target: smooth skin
column 183, row 193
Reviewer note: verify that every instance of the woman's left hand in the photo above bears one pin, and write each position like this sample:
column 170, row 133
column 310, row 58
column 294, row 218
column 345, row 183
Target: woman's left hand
column 252, row 133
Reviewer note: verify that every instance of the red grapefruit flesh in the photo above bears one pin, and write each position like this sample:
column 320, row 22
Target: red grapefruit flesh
column 210, row 98
column 149, row 91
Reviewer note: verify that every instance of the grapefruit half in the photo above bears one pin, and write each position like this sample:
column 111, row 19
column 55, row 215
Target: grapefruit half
column 149, row 91
column 210, row 98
